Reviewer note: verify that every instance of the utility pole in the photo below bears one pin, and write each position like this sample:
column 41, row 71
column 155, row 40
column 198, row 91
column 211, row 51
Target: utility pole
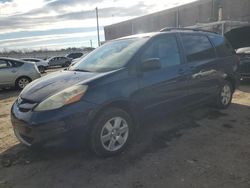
column 97, row 25
column 91, row 44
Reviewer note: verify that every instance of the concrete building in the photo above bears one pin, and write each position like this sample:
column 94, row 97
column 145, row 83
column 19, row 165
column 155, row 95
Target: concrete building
column 202, row 11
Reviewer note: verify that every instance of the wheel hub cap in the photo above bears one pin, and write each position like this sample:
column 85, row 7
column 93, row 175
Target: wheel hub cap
column 23, row 82
column 226, row 95
column 114, row 134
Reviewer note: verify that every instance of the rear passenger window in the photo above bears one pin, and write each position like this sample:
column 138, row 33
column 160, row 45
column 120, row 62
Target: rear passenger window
column 223, row 47
column 166, row 49
column 197, row 48
column 4, row 64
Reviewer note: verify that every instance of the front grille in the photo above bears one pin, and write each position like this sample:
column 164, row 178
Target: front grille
column 245, row 68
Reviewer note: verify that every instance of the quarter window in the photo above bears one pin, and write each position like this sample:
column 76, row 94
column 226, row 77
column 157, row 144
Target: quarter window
column 223, row 47
column 197, row 48
column 166, row 49
column 16, row 63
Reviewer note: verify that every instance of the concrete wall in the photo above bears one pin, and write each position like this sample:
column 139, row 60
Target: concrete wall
column 202, row 11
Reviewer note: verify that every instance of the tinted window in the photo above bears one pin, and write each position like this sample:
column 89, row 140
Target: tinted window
column 16, row 63
column 34, row 60
column 223, row 47
column 4, row 64
column 166, row 49
column 197, row 47
column 74, row 55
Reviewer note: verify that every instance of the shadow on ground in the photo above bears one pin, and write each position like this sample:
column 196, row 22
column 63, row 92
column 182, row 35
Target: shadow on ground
column 244, row 86
column 8, row 93
column 69, row 165
column 153, row 135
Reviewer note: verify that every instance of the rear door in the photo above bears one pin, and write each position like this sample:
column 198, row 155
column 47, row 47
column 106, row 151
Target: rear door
column 202, row 62
column 64, row 60
column 61, row 61
column 8, row 72
column 166, row 88
column 53, row 61
column 50, row 62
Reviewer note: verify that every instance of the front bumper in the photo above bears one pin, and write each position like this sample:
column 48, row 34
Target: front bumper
column 33, row 128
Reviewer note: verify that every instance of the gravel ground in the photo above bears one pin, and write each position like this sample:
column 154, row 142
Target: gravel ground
column 199, row 148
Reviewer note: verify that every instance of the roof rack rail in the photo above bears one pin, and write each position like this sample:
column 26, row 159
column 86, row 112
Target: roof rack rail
column 185, row 29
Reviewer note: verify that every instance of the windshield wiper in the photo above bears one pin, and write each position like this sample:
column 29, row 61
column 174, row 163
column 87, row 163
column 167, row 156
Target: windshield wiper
column 80, row 70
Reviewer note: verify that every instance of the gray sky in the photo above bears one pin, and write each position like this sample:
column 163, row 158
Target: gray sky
column 38, row 24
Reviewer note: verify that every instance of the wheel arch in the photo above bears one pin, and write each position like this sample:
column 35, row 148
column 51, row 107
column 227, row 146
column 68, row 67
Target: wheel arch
column 23, row 76
column 124, row 105
column 232, row 81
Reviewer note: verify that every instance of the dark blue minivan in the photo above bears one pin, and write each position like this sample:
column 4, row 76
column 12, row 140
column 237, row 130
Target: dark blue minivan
column 104, row 96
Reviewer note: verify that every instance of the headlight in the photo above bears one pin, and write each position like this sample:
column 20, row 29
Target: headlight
column 65, row 97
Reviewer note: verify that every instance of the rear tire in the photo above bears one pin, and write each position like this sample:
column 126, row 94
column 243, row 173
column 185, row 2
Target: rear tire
column 41, row 69
column 22, row 82
column 225, row 95
column 67, row 64
column 111, row 133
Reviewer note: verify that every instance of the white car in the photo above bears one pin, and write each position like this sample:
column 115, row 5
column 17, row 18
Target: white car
column 40, row 63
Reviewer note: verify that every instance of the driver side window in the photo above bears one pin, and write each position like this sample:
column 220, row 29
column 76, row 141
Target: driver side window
column 166, row 49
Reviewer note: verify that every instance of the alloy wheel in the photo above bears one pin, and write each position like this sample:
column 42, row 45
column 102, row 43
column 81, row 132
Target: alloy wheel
column 226, row 95
column 114, row 134
column 23, row 82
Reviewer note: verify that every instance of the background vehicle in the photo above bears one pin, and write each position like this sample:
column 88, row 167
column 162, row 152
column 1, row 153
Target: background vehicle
column 40, row 63
column 244, row 68
column 59, row 61
column 106, row 94
column 75, row 55
column 17, row 73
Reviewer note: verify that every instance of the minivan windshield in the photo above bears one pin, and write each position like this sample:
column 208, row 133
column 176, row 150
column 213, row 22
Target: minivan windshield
column 111, row 56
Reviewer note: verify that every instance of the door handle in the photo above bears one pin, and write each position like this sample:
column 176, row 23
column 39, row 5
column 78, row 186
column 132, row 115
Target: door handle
column 13, row 71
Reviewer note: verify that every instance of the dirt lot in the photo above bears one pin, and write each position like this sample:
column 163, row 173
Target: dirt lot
column 199, row 148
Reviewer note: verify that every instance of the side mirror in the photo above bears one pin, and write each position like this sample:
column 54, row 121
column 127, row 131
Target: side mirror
column 151, row 64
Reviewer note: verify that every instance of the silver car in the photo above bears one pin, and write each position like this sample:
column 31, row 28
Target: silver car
column 17, row 73
column 40, row 63
column 59, row 61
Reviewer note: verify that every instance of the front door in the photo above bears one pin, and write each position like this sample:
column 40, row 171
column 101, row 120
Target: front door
column 166, row 88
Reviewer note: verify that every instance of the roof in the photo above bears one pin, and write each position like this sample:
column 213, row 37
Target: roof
column 141, row 35
column 168, row 30
column 12, row 59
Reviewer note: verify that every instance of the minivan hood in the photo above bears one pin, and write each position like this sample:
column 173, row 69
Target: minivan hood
column 53, row 83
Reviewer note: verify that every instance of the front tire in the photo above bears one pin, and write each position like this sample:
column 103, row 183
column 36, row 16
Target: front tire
column 111, row 133
column 225, row 96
